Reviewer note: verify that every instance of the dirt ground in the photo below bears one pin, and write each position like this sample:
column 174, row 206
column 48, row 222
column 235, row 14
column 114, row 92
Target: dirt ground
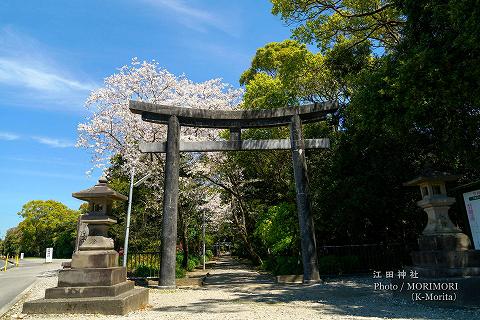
column 235, row 291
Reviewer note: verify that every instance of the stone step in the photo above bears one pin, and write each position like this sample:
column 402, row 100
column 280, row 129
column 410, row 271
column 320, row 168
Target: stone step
column 120, row 305
column 91, row 291
column 91, row 277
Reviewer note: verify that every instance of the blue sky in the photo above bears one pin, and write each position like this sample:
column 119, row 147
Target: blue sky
column 52, row 53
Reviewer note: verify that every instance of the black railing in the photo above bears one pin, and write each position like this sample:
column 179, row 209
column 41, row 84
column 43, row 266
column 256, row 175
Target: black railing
column 362, row 258
column 143, row 264
column 332, row 260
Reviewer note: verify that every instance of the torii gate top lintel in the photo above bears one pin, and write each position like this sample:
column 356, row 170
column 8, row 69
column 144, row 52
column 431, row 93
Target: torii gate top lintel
column 224, row 119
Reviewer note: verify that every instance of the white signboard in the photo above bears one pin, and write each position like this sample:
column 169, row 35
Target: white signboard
column 472, row 204
column 49, row 255
column 21, row 256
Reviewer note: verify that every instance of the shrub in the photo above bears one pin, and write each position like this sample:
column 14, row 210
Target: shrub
column 208, row 254
column 277, row 228
column 280, row 265
column 179, row 257
column 179, row 272
column 144, row 271
column 338, row 264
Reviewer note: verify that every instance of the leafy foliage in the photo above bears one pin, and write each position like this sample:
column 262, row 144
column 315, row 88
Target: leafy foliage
column 324, row 22
column 411, row 105
column 45, row 224
column 145, row 220
column 286, row 73
column 11, row 243
column 277, row 228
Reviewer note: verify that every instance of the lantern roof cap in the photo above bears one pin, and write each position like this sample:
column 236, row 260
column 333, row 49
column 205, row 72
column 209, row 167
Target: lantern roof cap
column 430, row 175
column 99, row 191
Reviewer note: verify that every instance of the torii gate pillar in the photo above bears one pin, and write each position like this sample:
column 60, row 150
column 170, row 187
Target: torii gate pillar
column 170, row 205
column 305, row 219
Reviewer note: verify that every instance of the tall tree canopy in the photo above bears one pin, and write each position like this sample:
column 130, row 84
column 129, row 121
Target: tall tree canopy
column 411, row 104
column 325, row 22
column 47, row 224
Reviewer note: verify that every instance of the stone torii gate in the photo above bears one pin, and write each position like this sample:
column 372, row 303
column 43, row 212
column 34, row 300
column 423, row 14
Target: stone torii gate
column 235, row 121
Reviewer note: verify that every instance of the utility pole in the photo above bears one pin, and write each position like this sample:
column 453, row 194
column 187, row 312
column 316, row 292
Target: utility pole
column 129, row 211
column 203, row 236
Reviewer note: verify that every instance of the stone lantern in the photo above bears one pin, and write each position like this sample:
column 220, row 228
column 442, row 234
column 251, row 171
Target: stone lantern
column 95, row 283
column 445, row 258
column 440, row 233
column 97, row 249
column 444, row 251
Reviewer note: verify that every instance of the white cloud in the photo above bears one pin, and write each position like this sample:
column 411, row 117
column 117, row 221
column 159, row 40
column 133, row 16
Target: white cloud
column 8, row 136
column 30, row 75
column 19, row 72
column 191, row 17
column 49, row 141
column 54, row 142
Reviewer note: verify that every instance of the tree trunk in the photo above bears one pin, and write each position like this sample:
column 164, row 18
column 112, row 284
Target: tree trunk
column 235, row 197
column 183, row 228
column 243, row 233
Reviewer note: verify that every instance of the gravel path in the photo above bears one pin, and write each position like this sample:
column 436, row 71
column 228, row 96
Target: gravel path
column 235, row 291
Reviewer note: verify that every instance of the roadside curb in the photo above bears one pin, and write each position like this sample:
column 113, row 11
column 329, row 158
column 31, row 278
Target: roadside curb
column 9, row 305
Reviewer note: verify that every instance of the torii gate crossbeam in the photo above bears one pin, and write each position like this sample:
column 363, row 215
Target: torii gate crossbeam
column 175, row 117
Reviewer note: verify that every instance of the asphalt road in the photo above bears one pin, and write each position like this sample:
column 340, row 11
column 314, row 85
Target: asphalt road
column 15, row 280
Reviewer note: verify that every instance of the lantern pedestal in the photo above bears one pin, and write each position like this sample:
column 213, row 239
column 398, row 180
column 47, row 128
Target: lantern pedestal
column 444, row 249
column 447, row 269
column 95, row 283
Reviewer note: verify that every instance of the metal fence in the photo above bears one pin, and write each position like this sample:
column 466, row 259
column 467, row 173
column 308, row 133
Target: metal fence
column 363, row 258
column 332, row 260
column 143, row 264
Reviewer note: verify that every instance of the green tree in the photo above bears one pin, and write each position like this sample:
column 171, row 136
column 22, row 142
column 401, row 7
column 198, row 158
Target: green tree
column 416, row 106
column 146, row 216
column 47, row 224
column 277, row 228
column 285, row 73
column 286, row 65
column 433, row 81
column 324, row 22
column 11, row 243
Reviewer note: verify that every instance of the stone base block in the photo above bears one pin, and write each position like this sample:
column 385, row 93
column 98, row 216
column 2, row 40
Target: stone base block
column 447, row 259
column 296, row 278
column 95, row 259
column 290, row 278
column 120, row 305
column 91, row 277
column 453, row 292
column 88, row 292
column 445, row 242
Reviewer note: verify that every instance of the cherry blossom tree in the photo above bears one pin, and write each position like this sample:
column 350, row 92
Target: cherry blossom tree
column 112, row 130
